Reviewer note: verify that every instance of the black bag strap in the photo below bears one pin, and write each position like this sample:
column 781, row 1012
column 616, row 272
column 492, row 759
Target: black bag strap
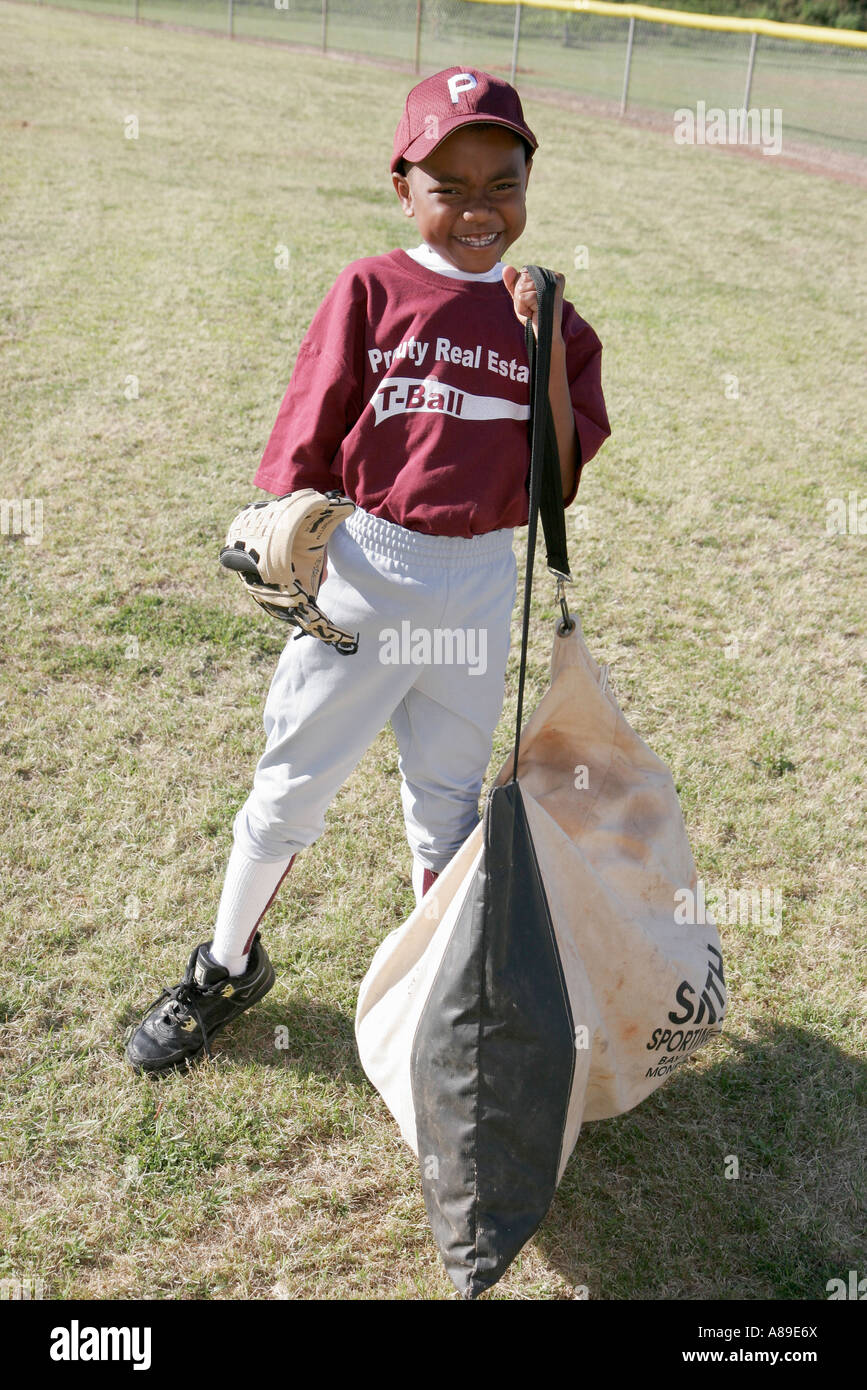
column 546, row 487
column 543, row 439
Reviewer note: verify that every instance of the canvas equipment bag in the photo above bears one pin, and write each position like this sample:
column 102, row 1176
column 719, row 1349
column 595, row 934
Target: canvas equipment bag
column 553, row 973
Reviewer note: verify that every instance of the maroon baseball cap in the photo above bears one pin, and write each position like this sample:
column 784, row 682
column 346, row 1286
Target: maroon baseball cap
column 450, row 99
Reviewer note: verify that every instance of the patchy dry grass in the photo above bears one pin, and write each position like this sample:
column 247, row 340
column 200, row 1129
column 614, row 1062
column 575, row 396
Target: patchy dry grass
column 729, row 296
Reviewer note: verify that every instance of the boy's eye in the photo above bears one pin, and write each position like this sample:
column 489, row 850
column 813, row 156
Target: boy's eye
column 497, row 188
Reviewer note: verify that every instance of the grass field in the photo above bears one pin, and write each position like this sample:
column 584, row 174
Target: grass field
column 820, row 91
column 147, row 338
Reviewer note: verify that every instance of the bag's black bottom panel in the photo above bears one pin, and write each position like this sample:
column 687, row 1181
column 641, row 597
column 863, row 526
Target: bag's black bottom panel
column 493, row 1060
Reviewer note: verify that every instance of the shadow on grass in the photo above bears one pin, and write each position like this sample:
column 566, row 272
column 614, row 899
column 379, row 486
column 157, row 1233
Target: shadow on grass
column 311, row 1037
column 652, row 1204
column 645, row 1209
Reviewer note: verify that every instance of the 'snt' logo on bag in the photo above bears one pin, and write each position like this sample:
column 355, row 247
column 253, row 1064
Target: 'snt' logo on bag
column 711, row 998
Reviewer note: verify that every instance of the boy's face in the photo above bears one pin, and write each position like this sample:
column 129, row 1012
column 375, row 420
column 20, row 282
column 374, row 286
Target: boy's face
column 468, row 197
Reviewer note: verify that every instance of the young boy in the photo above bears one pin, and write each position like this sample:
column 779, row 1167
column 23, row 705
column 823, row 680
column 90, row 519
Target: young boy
column 410, row 394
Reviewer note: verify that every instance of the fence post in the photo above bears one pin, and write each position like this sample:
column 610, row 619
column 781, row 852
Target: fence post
column 324, row 26
column 418, row 36
column 627, row 69
column 231, row 19
column 753, row 43
column 515, row 41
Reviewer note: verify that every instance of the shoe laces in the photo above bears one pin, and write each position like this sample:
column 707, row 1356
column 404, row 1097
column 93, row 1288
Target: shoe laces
column 183, row 999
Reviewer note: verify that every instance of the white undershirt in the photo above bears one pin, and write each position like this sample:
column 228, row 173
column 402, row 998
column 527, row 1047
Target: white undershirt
column 432, row 260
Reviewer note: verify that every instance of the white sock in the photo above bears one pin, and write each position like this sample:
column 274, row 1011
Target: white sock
column 248, row 890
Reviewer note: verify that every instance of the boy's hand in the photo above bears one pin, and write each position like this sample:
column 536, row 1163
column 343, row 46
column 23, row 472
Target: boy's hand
column 524, row 298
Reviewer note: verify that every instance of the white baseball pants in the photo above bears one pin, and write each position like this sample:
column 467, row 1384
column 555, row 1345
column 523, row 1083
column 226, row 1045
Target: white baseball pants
column 433, row 616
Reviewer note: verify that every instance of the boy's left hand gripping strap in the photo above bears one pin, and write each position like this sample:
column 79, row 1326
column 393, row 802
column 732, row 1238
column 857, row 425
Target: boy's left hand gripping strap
column 278, row 549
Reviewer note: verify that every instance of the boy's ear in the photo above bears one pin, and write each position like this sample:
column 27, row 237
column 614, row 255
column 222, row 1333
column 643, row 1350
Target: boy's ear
column 404, row 192
column 529, row 167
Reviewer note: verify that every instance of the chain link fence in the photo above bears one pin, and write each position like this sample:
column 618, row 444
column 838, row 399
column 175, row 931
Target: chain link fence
column 648, row 69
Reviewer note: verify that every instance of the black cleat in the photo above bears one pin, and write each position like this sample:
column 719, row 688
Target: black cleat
column 183, row 1021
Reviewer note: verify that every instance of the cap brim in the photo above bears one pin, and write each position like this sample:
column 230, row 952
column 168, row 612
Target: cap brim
column 423, row 147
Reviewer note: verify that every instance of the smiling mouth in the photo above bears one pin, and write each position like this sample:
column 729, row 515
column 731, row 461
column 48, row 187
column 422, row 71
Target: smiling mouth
column 478, row 243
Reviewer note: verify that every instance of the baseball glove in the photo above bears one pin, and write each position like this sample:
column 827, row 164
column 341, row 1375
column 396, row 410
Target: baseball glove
column 278, row 549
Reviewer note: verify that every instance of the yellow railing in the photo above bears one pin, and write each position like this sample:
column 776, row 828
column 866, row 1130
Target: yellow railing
column 648, row 14
column 804, row 33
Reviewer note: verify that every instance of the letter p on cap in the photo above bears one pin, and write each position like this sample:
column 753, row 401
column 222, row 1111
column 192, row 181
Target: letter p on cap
column 461, row 82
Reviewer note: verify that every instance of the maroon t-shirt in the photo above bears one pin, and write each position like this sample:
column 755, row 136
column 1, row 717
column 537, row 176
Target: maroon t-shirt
column 411, row 394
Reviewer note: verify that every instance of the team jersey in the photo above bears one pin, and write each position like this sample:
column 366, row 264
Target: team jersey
column 410, row 393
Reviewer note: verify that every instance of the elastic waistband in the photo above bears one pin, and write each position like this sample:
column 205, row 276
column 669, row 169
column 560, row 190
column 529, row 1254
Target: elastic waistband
column 394, row 542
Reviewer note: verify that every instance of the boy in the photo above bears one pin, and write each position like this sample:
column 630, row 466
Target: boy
column 410, row 394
